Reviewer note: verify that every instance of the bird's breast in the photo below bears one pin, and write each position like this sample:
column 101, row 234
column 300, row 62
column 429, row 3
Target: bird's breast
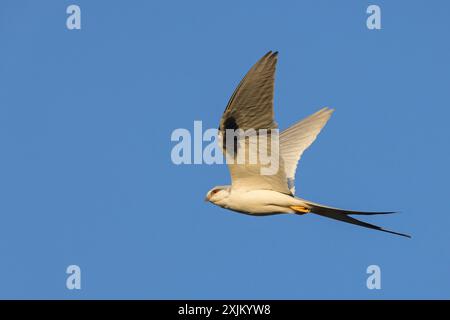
column 260, row 202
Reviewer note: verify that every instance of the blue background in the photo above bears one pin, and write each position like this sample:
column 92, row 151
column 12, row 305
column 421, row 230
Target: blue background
column 86, row 176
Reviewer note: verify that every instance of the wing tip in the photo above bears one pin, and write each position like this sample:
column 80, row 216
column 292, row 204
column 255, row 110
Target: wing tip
column 327, row 110
column 270, row 54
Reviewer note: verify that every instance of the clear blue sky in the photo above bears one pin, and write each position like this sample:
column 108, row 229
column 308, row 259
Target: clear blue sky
column 86, row 176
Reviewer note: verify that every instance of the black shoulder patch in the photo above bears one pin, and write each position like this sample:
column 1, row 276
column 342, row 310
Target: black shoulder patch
column 230, row 123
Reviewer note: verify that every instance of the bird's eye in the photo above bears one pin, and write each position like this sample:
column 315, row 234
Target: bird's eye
column 215, row 191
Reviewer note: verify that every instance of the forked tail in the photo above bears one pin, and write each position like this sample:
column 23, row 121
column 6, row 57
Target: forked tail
column 343, row 215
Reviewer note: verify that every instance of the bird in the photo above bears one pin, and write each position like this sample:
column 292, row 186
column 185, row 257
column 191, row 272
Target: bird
column 251, row 107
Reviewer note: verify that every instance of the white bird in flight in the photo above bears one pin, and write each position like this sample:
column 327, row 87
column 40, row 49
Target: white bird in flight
column 251, row 107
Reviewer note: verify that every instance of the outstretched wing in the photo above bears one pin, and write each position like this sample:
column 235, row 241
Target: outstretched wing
column 251, row 107
column 297, row 138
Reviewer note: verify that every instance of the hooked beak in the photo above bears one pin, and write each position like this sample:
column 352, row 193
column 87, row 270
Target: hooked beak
column 206, row 199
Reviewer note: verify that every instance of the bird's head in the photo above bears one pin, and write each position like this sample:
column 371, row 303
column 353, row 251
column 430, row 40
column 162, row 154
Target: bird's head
column 218, row 194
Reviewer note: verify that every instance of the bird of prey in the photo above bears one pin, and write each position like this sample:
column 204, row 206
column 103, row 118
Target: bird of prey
column 254, row 193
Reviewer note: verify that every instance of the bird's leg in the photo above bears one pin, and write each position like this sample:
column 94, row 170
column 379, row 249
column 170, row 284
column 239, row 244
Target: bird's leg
column 300, row 209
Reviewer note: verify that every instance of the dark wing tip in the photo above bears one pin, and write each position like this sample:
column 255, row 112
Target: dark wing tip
column 270, row 55
column 267, row 54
